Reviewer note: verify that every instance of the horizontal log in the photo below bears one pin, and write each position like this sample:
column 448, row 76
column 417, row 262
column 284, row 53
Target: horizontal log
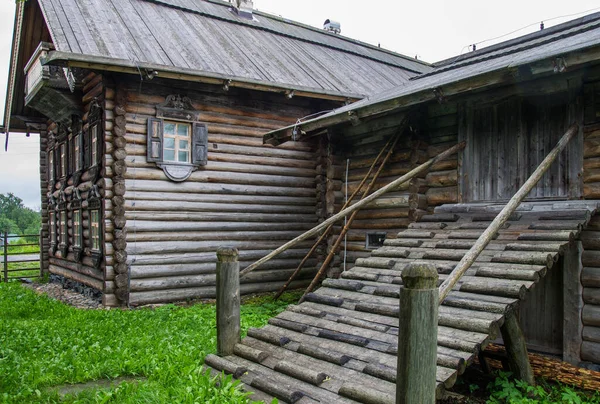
column 442, row 178
column 591, row 315
column 590, row 277
column 590, row 351
column 219, row 210
column 87, row 270
column 591, row 334
column 86, row 280
column 174, row 295
column 440, row 196
column 222, row 189
column 591, row 295
column 185, row 226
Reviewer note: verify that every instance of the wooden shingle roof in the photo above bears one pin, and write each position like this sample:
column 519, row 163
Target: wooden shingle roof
column 575, row 43
column 344, row 337
column 207, row 36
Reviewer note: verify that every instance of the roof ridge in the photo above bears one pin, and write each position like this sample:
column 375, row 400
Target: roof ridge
column 510, row 48
column 168, row 3
column 520, row 39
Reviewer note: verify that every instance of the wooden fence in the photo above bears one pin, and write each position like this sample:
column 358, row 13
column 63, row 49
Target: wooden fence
column 18, row 263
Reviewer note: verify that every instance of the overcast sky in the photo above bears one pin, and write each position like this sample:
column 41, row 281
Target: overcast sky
column 432, row 29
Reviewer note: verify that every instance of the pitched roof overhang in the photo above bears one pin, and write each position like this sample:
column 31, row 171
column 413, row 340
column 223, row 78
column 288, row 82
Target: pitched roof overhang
column 575, row 44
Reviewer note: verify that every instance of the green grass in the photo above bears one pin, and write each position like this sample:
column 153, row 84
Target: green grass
column 45, row 343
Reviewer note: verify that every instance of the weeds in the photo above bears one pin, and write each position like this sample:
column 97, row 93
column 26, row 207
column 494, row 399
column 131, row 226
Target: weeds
column 44, row 343
column 505, row 390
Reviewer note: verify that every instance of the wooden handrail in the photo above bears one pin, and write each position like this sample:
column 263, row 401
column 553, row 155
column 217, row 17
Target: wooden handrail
column 340, row 215
column 512, row 205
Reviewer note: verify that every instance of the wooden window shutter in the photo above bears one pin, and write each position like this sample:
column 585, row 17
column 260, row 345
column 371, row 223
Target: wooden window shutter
column 155, row 140
column 200, row 144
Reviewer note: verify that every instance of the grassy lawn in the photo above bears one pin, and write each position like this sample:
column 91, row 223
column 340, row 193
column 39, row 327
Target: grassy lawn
column 45, row 343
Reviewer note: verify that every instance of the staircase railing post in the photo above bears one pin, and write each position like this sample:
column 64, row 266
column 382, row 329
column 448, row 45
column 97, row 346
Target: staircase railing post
column 417, row 335
column 228, row 300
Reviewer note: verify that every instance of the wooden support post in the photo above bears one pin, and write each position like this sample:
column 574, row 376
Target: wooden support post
column 516, row 349
column 417, row 336
column 572, row 304
column 228, row 300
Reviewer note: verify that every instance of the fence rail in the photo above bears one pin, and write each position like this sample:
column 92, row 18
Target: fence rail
column 16, row 264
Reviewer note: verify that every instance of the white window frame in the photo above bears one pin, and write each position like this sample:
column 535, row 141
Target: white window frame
column 177, row 138
column 95, row 229
column 77, row 228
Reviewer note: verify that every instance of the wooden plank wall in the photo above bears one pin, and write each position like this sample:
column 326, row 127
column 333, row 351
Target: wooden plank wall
column 249, row 196
column 83, row 271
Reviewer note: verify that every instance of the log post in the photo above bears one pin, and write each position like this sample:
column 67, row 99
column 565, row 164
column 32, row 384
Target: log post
column 516, row 349
column 228, row 300
column 417, row 336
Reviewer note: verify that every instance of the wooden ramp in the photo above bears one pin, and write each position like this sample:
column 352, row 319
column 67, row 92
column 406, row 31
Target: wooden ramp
column 340, row 345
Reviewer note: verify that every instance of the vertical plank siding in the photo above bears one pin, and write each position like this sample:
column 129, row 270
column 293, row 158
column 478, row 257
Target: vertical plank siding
column 248, row 196
column 44, row 232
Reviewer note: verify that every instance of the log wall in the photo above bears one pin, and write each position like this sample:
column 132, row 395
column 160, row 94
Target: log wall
column 590, row 277
column 354, row 149
column 248, row 196
column 83, row 270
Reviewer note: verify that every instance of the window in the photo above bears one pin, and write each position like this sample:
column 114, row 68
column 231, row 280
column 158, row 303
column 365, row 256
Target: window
column 177, row 140
column 52, row 220
column 63, row 227
column 77, row 152
column 77, row 228
column 177, row 143
column 51, row 165
column 95, row 229
column 375, row 240
column 94, row 145
column 63, row 160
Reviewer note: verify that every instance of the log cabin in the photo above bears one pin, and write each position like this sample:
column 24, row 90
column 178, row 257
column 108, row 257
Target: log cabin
column 152, row 155
column 151, row 116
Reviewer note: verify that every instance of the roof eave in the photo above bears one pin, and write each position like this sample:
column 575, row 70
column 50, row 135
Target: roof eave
column 488, row 79
column 139, row 68
column 10, row 88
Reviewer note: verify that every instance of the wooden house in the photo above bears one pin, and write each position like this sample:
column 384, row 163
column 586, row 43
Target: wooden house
column 151, row 116
column 510, row 103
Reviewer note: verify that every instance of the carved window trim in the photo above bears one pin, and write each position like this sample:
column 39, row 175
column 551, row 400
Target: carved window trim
column 77, row 225
column 52, row 226
column 177, row 109
column 63, row 225
column 93, row 138
column 96, row 239
column 76, row 150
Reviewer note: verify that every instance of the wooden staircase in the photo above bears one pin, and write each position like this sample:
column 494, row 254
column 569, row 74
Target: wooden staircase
column 340, row 345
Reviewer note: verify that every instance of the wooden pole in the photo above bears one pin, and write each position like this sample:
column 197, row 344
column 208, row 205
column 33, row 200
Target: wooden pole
column 346, row 204
column 346, row 227
column 340, row 215
column 417, row 336
column 516, row 349
column 503, row 216
column 228, row 300
column 5, row 249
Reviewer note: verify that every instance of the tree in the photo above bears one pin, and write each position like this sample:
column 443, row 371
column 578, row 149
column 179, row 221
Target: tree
column 15, row 217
